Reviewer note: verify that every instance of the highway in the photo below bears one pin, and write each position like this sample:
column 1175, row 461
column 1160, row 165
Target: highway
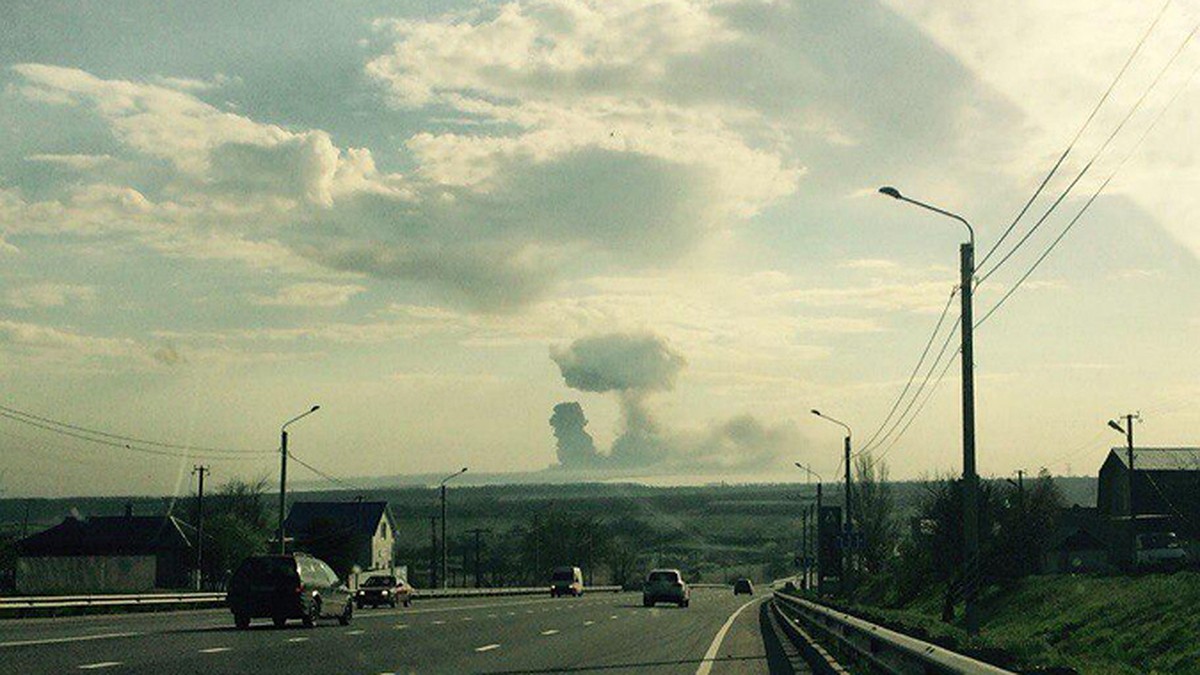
column 720, row 634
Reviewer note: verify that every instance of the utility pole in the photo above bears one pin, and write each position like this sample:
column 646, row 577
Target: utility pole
column 804, row 546
column 283, row 455
column 970, row 476
column 478, row 545
column 202, row 470
column 1131, row 483
column 433, row 552
column 460, row 472
column 537, row 550
column 848, row 555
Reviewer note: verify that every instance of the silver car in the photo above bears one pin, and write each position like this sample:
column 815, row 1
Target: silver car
column 665, row 585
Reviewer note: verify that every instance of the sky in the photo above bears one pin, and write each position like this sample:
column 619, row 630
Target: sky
column 441, row 220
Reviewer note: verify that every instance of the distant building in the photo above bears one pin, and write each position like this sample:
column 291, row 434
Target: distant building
column 1166, row 488
column 106, row 554
column 347, row 535
column 1079, row 543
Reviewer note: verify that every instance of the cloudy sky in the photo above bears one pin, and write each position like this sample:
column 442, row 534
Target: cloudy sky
column 438, row 220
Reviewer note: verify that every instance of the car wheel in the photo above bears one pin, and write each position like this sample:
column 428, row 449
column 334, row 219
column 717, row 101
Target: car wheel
column 392, row 604
column 408, row 602
column 279, row 620
column 241, row 621
column 684, row 603
column 347, row 614
column 314, row 613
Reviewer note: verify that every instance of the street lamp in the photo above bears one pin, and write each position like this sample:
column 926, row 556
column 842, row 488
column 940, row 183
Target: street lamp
column 970, row 477
column 1127, row 430
column 849, row 512
column 442, row 486
column 817, row 547
column 283, row 453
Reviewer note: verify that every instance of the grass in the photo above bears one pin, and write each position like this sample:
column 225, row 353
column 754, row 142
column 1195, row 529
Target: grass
column 1143, row 625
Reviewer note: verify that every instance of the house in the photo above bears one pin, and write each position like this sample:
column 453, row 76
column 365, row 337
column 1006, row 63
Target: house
column 1166, row 489
column 347, row 535
column 107, row 554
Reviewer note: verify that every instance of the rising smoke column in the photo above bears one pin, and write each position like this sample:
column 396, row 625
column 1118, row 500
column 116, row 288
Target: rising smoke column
column 576, row 449
column 632, row 365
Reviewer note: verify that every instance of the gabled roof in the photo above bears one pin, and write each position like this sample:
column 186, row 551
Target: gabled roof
column 356, row 518
column 1160, row 459
column 109, row 535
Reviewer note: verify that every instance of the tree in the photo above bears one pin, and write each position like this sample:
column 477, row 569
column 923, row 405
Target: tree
column 874, row 506
column 235, row 526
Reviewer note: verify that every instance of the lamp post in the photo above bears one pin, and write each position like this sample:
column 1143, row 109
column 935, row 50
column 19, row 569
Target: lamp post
column 283, row 454
column 849, row 530
column 445, row 567
column 1127, row 430
column 817, row 547
column 970, row 477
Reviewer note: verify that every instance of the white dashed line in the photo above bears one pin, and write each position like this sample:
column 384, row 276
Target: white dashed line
column 491, row 616
column 102, row 664
column 355, row 632
column 613, row 616
column 438, row 622
column 298, row 639
column 215, row 650
column 487, row 648
column 588, row 623
column 549, row 632
column 468, row 618
column 400, row 626
column 54, row 641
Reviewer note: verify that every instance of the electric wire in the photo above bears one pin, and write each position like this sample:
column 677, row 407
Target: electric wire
column 1070, row 146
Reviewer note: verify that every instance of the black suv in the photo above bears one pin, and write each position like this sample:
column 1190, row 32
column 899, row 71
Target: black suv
column 282, row 587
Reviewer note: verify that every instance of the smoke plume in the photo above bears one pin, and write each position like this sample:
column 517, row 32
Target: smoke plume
column 576, row 449
column 634, row 366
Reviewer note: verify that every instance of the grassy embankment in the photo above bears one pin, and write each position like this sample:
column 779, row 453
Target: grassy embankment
column 1095, row 625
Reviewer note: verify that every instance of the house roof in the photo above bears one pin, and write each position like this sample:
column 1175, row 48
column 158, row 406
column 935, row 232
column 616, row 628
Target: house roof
column 1160, row 459
column 357, row 518
column 109, row 535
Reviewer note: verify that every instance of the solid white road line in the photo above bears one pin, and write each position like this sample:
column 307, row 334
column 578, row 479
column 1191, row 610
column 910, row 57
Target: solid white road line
column 215, row 650
column 102, row 664
column 707, row 663
column 487, row 648
column 78, row 638
column 552, row 631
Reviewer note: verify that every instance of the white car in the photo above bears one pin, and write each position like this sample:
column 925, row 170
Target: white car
column 1159, row 549
column 665, row 585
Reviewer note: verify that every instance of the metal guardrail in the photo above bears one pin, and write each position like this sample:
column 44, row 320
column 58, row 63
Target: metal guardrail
column 883, row 648
column 46, row 604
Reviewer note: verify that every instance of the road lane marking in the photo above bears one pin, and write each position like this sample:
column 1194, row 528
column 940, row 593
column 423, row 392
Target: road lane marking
column 552, row 631
column 400, row 626
column 355, row 632
column 438, row 622
column 298, row 639
column 468, row 618
column 613, row 616
column 491, row 616
column 215, row 650
column 487, row 648
column 102, row 664
column 706, row 663
column 78, row 638
column 588, row 623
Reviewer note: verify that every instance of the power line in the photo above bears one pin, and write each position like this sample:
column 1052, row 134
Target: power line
column 14, row 413
column 921, row 407
column 1070, row 146
column 913, row 375
column 1132, row 110
column 326, row 476
column 924, row 382
column 117, row 444
column 1091, row 200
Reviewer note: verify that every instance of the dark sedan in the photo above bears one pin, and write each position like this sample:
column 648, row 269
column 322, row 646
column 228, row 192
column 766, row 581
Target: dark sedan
column 282, row 587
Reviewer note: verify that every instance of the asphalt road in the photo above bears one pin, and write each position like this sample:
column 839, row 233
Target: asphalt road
column 720, row 634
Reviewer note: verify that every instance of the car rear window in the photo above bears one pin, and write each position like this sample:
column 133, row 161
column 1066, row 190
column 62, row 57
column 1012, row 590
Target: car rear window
column 380, row 581
column 664, row 576
column 563, row 575
column 266, row 570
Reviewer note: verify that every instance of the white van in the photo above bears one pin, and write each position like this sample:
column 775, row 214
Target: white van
column 566, row 581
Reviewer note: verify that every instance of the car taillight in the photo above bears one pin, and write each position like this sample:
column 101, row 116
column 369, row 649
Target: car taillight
column 299, row 589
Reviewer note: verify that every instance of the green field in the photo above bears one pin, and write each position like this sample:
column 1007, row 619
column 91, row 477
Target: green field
column 1114, row 625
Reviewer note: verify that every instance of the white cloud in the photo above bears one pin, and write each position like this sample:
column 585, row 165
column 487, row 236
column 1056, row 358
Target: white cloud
column 313, row 294
column 48, row 295
column 77, row 162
